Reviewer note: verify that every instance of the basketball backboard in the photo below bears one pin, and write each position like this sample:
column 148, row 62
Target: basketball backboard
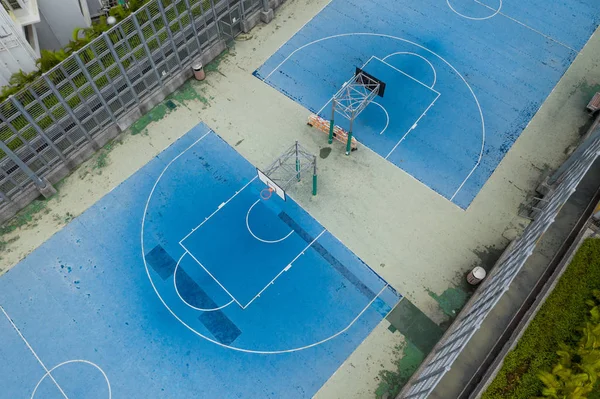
column 271, row 184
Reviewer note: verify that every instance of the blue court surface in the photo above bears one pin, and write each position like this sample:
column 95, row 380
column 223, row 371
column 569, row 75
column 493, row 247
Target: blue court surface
column 463, row 77
column 183, row 283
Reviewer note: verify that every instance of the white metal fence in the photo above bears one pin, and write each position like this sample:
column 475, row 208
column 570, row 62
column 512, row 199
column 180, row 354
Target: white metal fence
column 469, row 320
column 46, row 124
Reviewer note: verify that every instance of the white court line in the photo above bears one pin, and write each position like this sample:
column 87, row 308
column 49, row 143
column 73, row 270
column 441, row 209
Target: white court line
column 258, row 238
column 33, row 352
column 218, row 209
column 391, row 66
column 528, row 27
column 210, row 274
column 285, row 269
column 407, row 75
column 369, row 34
column 191, row 329
column 421, row 57
column 183, row 300
column 496, row 11
column 387, row 116
column 69, row 362
column 414, row 126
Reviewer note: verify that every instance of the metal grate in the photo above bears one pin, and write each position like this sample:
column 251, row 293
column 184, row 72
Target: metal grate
column 48, row 122
column 492, row 289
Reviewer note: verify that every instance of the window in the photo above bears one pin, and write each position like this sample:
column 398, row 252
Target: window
column 14, row 4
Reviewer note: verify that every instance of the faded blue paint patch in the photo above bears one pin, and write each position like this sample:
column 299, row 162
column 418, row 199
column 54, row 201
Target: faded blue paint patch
column 116, row 288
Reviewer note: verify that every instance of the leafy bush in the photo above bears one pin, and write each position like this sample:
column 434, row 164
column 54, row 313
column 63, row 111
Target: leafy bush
column 557, row 325
column 81, row 37
column 578, row 368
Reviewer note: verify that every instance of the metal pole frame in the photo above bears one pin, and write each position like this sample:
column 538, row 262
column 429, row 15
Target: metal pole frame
column 111, row 48
column 349, row 143
column 39, row 130
column 39, row 183
column 168, row 29
column 314, row 192
column 331, row 121
column 297, row 162
column 146, row 48
column 69, row 109
column 95, row 88
column 193, row 22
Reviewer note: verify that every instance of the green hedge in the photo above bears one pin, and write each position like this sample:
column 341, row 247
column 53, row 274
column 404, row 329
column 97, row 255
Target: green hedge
column 558, row 321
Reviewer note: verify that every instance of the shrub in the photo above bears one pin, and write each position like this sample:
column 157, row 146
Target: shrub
column 557, row 323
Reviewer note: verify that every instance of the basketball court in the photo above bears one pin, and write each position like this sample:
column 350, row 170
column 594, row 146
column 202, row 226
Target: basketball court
column 447, row 118
column 199, row 266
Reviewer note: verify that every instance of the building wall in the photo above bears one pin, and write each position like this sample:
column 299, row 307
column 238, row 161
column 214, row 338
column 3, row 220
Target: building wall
column 15, row 52
column 58, row 20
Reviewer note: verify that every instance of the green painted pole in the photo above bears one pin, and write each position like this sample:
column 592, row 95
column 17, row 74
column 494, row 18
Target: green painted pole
column 331, row 122
column 315, row 176
column 349, row 143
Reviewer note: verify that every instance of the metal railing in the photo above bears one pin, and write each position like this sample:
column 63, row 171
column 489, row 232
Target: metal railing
column 46, row 124
column 508, row 266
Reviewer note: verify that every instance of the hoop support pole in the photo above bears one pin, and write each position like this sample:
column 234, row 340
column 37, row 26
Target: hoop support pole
column 297, row 162
column 349, row 143
column 315, row 176
column 331, row 122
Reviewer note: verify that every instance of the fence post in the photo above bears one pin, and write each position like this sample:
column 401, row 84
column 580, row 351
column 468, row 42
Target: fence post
column 189, row 9
column 216, row 17
column 95, row 88
column 168, row 29
column 146, row 48
column 69, row 110
column 120, row 66
column 266, row 15
column 43, row 186
column 5, row 198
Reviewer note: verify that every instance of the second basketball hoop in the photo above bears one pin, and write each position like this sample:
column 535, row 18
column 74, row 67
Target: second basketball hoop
column 287, row 169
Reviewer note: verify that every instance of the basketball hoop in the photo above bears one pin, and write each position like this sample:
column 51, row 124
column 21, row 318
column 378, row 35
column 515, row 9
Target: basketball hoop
column 266, row 193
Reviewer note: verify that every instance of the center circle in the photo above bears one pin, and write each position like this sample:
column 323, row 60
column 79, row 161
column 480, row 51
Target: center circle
column 94, row 365
column 487, row 11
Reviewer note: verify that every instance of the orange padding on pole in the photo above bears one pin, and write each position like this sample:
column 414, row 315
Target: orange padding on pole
column 323, row 125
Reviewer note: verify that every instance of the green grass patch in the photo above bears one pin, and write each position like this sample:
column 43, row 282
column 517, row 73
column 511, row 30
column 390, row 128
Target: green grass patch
column 558, row 322
column 409, row 357
column 25, row 216
column 213, row 66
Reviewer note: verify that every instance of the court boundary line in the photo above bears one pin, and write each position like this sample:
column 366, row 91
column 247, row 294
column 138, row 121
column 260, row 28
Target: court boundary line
column 186, row 302
column 14, row 326
column 192, row 330
column 217, row 210
column 255, row 236
column 483, row 133
column 285, row 269
column 413, row 127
